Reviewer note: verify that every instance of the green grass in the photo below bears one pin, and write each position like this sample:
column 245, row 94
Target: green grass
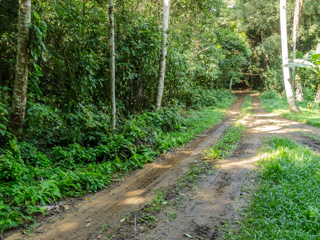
column 286, row 204
column 274, row 104
column 246, row 107
column 227, row 144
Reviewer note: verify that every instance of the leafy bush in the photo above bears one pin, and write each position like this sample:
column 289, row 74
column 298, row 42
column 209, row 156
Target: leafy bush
column 11, row 163
column 269, row 95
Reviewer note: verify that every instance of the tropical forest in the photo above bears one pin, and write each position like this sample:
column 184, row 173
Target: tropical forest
column 159, row 119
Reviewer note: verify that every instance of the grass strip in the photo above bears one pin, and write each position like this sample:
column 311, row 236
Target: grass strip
column 227, row 144
column 275, row 104
column 246, row 107
column 286, row 204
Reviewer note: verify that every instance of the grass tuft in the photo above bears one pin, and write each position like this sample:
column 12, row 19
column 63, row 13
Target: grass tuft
column 227, row 144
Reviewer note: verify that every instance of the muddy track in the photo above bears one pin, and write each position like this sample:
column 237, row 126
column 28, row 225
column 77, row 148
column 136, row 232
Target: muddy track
column 216, row 200
column 138, row 189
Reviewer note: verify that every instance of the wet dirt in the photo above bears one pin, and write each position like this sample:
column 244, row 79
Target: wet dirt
column 215, row 201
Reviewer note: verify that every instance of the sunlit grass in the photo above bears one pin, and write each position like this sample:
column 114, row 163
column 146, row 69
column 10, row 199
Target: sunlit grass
column 246, row 107
column 286, row 204
column 280, row 106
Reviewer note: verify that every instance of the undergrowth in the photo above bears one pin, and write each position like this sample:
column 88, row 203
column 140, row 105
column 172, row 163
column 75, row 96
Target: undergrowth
column 70, row 154
column 227, row 144
column 286, row 204
column 276, row 104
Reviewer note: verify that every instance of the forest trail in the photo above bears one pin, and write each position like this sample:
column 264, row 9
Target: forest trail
column 215, row 201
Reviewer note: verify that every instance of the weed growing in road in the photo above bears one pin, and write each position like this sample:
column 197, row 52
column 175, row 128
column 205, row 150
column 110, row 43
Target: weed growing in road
column 286, row 204
column 275, row 104
column 229, row 142
column 158, row 203
column 246, row 107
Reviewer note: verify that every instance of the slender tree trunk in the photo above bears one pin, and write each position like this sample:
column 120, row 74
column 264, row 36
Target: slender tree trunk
column 317, row 98
column 112, row 66
column 296, row 20
column 230, row 86
column 284, row 43
column 299, row 92
column 163, row 58
column 19, row 98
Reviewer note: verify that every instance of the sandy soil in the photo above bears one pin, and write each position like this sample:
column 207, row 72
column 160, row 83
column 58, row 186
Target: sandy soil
column 216, row 200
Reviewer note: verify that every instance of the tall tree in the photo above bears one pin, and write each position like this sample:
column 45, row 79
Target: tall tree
column 284, row 44
column 296, row 20
column 162, row 68
column 112, row 65
column 317, row 98
column 19, row 99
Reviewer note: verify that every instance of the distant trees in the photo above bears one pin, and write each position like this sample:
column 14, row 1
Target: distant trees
column 72, row 60
column 260, row 24
column 19, row 99
column 163, row 56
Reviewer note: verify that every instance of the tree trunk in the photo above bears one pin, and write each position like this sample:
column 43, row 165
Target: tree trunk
column 112, row 66
column 284, row 44
column 317, row 98
column 296, row 20
column 299, row 92
column 162, row 68
column 19, row 98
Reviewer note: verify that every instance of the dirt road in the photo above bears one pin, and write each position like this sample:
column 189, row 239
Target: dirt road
column 215, row 201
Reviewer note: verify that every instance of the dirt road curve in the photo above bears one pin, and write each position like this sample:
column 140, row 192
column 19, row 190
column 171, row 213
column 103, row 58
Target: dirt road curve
column 217, row 197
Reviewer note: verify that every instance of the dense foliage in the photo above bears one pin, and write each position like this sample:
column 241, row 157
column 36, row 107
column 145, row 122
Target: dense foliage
column 261, row 23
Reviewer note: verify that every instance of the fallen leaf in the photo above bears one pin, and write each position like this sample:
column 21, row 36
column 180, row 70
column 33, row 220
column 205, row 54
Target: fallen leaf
column 123, row 219
column 187, row 235
column 88, row 224
column 66, row 207
column 99, row 236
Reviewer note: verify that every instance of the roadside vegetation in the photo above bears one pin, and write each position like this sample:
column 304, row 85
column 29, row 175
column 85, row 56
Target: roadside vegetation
column 285, row 204
column 273, row 103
